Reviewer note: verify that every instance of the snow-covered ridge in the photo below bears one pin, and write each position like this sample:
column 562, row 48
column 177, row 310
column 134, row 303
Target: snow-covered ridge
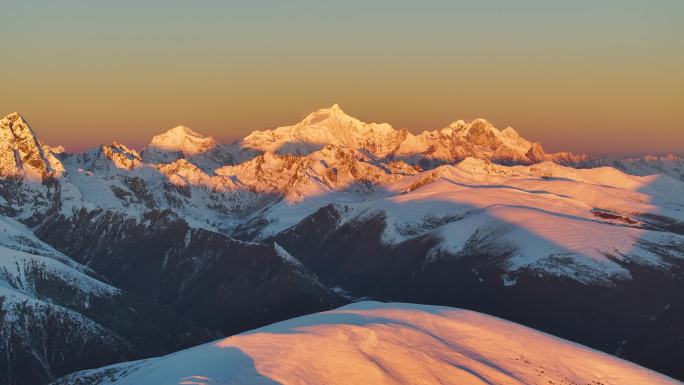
column 584, row 224
column 459, row 140
column 332, row 126
column 374, row 343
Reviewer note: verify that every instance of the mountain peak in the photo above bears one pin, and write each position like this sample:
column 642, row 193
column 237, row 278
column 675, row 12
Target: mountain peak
column 182, row 139
column 324, row 115
column 511, row 133
column 183, row 130
column 14, row 116
column 16, row 123
column 20, row 150
column 114, row 154
column 176, row 134
column 326, row 126
column 182, row 142
column 478, row 125
column 334, row 109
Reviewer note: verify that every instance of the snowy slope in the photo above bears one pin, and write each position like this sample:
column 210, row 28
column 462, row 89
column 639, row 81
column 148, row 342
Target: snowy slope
column 25, row 260
column 537, row 215
column 374, row 343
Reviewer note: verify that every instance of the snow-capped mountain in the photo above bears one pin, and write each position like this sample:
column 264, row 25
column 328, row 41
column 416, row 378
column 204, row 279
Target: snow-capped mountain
column 329, row 126
column 302, row 218
column 374, row 343
column 333, row 127
column 183, row 143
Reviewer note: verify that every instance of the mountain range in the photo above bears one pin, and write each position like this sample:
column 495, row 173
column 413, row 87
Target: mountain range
column 217, row 239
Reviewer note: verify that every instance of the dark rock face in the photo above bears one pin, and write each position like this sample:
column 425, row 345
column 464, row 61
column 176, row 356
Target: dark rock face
column 61, row 329
column 639, row 319
column 663, row 223
column 218, row 282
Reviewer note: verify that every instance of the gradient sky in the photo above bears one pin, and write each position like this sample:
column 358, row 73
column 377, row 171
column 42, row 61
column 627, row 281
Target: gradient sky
column 600, row 76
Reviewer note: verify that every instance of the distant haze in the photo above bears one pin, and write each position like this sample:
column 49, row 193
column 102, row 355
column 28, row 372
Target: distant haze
column 602, row 77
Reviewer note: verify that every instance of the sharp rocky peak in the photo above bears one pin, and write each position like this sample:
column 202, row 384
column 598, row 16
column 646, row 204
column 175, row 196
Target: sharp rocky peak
column 21, row 153
column 14, row 117
column 119, row 149
column 15, row 126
